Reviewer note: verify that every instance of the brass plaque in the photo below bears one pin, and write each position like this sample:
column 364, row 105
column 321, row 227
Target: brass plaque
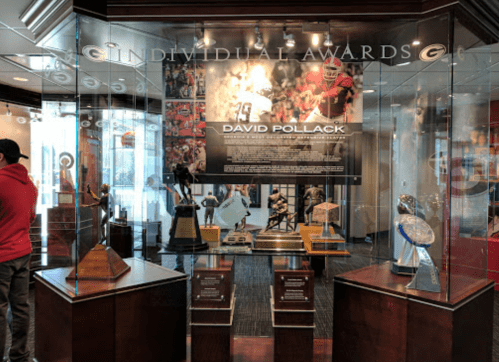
column 185, row 228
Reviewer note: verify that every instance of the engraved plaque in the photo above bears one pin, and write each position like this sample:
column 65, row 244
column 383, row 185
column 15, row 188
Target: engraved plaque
column 294, row 289
column 185, row 228
column 212, row 287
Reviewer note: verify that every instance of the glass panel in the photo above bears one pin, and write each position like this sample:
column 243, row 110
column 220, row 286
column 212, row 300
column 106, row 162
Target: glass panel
column 55, row 146
column 471, row 159
column 238, row 146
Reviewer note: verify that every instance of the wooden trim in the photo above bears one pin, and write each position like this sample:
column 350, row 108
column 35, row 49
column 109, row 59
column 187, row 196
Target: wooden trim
column 12, row 95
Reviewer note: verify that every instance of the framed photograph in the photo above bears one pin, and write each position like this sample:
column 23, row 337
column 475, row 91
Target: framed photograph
column 197, row 189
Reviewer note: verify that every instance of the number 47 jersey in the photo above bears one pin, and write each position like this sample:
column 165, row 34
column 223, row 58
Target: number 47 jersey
column 252, row 107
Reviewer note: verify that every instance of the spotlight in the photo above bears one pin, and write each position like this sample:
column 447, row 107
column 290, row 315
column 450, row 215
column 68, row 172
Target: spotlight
column 327, row 41
column 9, row 112
column 203, row 41
column 290, row 40
column 259, row 40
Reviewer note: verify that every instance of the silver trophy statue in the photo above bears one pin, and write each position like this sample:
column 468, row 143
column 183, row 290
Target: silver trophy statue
column 419, row 234
column 407, row 262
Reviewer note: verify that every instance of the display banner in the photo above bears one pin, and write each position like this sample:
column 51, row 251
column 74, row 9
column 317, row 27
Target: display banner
column 265, row 121
column 285, row 153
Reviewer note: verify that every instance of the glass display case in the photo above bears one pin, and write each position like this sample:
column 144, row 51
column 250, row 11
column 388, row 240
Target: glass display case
column 271, row 164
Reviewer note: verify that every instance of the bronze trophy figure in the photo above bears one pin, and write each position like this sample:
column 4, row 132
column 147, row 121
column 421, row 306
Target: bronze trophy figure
column 184, row 178
column 209, row 202
column 317, row 196
column 280, row 211
column 106, row 202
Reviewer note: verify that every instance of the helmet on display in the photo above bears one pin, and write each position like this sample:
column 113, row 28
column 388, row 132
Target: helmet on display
column 265, row 91
column 331, row 68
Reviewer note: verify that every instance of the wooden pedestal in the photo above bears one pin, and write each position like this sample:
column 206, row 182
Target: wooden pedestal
column 292, row 305
column 377, row 319
column 212, row 310
column 140, row 317
column 121, row 239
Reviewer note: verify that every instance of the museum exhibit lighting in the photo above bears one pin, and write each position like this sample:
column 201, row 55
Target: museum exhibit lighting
column 203, row 41
column 328, row 42
column 259, row 40
column 290, row 39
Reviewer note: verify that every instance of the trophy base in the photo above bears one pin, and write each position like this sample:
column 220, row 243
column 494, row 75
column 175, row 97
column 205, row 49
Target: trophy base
column 186, row 248
column 278, row 241
column 101, row 263
column 238, row 238
column 403, row 269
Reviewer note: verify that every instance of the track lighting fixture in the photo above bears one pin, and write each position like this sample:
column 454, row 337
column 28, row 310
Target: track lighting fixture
column 203, row 41
column 259, row 40
column 327, row 40
column 290, row 39
column 9, row 112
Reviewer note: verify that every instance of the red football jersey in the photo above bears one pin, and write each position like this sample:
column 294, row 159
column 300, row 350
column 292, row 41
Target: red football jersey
column 334, row 94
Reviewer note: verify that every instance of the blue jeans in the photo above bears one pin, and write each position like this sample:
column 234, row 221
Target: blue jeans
column 14, row 291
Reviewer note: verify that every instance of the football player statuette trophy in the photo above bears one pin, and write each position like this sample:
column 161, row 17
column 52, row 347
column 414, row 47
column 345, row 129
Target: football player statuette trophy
column 185, row 234
column 316, row 196
column 418, row 233
column 407, row 263
column 278, row 240
column 211, row 233
column 101, row 262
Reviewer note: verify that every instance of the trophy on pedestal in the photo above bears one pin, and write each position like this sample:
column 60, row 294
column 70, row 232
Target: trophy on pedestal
column 185, row 235
column 407, row 263
column 277, row 240
column 419, row 234
column 326, row 213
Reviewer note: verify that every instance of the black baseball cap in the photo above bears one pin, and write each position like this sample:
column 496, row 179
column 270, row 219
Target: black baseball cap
column 10, row 149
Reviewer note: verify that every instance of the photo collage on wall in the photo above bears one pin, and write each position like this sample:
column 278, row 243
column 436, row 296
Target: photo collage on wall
column 185, row 116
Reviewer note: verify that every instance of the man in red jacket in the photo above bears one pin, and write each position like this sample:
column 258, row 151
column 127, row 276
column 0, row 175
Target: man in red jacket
column 17, row 211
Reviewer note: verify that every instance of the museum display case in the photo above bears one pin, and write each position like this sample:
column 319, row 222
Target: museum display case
column 290, row 169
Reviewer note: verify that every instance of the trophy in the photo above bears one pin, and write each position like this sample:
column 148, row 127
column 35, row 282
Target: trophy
column 407, row 263
column 419, row 234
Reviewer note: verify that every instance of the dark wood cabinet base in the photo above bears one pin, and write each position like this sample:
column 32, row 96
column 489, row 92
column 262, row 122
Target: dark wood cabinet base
column 376, row 319
column 140, row 317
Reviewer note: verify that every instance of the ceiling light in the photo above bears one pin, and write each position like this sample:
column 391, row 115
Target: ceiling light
column 112, row 45
column 395, row 105
column 203, row 41
column 402, row 64
column 259, row 40
column 315, row 40
column 9, row 112
column 416, row 42
column 121, row 79
column 290, row 41
column 20, row 79
column 368, row 91
column 328, row 42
